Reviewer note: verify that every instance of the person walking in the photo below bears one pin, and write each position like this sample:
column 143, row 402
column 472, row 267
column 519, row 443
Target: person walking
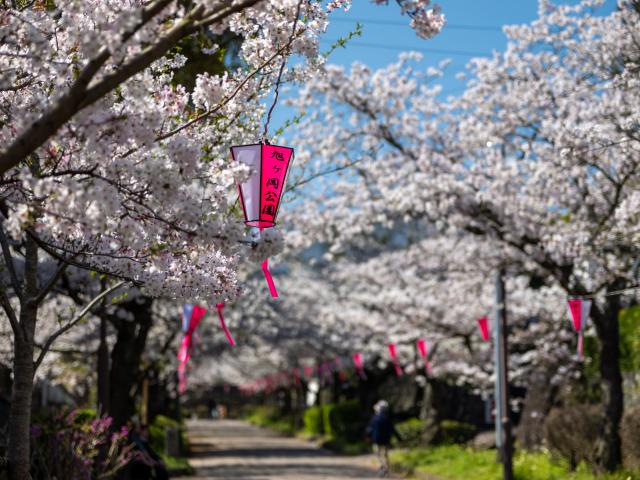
column 380, row 430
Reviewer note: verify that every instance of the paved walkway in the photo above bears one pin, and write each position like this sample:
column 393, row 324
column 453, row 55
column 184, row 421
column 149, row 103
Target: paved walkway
column 230, row 449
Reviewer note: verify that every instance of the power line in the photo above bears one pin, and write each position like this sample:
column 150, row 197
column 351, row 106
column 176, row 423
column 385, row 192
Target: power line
column 479, row 28
column 464, row 53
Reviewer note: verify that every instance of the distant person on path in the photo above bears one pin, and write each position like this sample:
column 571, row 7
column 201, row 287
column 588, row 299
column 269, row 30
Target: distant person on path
column 380, row 430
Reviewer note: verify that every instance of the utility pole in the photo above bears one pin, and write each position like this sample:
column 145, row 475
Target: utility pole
column 103, row 369
column 503, row 420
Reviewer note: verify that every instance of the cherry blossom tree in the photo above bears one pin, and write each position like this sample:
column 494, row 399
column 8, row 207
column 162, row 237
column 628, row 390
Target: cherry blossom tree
column 540, row 156
column 109, row 164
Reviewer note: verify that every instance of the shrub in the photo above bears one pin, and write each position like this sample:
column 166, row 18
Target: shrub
column 157, row 431
column 271, row 417
column 453, row 431
column 344, row 421
column 412, row 432
column 313, row 421
column 570, row 431
column 630, row 433
column 78, row 445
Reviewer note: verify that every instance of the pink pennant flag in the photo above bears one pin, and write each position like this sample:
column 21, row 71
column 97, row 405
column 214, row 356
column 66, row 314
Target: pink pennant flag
column 269, row 278
column 357, row 361
column 296, row 377
column 219, row 307
column 422, row 348
column 394, row 357
column 308, row 372
column 191, row 318
column 483, row 323
column 579, row 313
column 196, row 315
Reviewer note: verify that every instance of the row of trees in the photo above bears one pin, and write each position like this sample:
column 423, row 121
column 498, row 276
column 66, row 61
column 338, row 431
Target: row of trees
column 533, row 169
column 115, row 123
column 116, row 163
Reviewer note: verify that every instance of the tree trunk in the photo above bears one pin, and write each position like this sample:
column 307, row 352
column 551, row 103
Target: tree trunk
column 537, row 404
column 20, row 417
column 125, row 360
column 18, row 448
column 608, row 445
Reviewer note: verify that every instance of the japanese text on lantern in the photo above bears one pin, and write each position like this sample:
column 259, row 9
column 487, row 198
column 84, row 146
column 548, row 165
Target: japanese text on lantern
column 274, row 169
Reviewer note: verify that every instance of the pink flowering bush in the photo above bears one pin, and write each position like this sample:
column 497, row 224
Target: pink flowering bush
column 77, row 445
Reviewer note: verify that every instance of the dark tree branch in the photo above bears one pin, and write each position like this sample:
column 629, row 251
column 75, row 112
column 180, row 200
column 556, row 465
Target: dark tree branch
column 11, row 314
column 8, row 260
column 62, row 266
column 65, row 328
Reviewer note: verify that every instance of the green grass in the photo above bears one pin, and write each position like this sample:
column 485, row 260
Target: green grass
column 270, row 417
column 455, row 462
column 177, row 465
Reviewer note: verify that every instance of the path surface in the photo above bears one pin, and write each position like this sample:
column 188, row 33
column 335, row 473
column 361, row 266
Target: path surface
column 230, row 449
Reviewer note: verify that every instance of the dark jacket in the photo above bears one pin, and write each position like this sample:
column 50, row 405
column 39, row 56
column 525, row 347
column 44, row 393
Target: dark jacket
column 381, row 429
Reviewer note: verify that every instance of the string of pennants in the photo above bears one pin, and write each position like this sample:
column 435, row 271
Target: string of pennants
column 324, row 371
column 578, row 309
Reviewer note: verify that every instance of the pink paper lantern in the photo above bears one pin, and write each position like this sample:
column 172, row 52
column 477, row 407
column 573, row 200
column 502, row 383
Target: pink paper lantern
column 483, row 323
column 192, row 314
column 260, row 194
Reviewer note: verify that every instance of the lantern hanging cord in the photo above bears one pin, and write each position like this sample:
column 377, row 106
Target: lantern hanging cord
column 282, row 65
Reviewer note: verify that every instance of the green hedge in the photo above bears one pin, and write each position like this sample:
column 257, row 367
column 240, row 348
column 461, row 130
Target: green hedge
column 452, row 431
column 412, row 432
column 313, row 421
column 270, row 416
column 157, row 431
column 337, row 421
column 344, row 420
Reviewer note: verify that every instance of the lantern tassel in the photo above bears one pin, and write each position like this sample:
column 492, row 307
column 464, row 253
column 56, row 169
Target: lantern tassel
column 220, row 306
column 269, row 278
column 580, row 344
column 182, row 386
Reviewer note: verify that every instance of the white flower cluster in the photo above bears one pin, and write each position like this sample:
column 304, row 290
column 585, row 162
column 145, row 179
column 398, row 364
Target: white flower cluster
column 139, row 183
column 426, row 20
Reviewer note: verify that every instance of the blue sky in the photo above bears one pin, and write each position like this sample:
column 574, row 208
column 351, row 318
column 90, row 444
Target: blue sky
column 474, row 28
